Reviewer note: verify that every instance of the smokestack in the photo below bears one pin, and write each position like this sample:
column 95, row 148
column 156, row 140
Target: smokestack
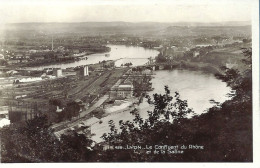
column 51, row 43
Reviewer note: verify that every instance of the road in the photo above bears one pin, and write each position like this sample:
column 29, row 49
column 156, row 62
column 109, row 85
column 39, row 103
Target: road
column 94, row 106
column 65, row 124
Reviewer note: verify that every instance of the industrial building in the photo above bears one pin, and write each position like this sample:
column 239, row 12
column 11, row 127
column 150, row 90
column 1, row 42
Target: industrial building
column 57, row 72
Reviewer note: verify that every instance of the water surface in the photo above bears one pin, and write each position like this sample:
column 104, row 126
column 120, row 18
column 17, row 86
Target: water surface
column 124, row 54
column 194, row 86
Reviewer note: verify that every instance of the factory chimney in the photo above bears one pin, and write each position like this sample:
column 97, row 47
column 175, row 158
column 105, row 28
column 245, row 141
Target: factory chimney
column 51, row 43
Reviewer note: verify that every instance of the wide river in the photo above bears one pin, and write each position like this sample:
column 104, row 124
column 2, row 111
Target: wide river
column 194, row 86
column 123, row 54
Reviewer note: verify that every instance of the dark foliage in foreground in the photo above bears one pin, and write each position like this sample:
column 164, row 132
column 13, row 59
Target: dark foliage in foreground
column 225, row 132
column 34, row 142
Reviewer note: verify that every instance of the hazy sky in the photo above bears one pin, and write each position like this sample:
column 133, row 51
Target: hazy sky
column 132, row 11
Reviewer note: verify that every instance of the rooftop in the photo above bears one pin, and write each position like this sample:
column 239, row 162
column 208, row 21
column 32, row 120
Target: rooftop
column 125, row 86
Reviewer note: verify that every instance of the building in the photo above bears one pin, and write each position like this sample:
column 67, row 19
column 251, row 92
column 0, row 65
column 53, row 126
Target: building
column 23, row 60
column 4, row 112
column 3, row 122
column 32, row 51
column 58, row 110
column 57, row 72
column 196, row 54
column 124, row 91
column 13, row 61
column 75, row 51
column 203, row 45
column 59, row 56
column 147, row 71
column 18, row 55
column 121, row 91
column 85, row 71
column 38, row 57
column 83, row 106
column 231, row 65
column 27, row 56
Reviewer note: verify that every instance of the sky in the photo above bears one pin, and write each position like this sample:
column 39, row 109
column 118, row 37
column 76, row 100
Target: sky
column 13, row 11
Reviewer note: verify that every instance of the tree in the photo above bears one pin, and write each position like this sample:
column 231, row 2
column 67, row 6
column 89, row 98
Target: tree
column 76, row 148
column 160, row 58
column 29, row 142
column 142, row 131
column 241, row 82
column 55, row 102
column 71, row 110
column 34, row 141
column 224, row 132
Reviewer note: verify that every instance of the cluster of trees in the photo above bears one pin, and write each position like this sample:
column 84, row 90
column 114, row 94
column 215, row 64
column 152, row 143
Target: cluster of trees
column 127, row 64
column 34, row 141
column 140, row 69
column 202, row 52
column 225, row 132
column 69, row 110
column 142, row 85
column 3, row 62
column 161, row 58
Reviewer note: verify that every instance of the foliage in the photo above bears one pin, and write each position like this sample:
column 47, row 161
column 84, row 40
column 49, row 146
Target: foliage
column 141, row 85
column 55, row 102
column 3, row 62
column 128, row 64
column 29, row 142
column 71, row 110
column 34, row 141
column 225, row 131
column 241, row 82
column 160, row 58
column 142, row 131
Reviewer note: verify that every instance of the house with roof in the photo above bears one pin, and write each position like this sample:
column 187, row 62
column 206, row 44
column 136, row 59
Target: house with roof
column 124, row 90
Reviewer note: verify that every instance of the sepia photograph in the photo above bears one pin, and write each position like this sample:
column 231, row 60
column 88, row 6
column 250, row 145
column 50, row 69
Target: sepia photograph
column 129, row 81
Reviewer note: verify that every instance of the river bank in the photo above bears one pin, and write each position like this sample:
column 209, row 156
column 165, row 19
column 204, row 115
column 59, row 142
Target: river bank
column 60, row 61
column 194, row 66
column 197, row 87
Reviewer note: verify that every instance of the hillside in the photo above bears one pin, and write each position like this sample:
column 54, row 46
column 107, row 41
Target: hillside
column 142, row 28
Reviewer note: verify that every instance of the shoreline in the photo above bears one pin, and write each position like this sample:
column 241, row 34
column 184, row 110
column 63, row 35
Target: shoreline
column 195, row 66
column 54, row 62
column 57, row 62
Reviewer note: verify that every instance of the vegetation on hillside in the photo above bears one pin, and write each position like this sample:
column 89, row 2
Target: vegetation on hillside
column 223, row 134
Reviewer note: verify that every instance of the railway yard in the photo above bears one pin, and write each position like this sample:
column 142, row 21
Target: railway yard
column 34, row 97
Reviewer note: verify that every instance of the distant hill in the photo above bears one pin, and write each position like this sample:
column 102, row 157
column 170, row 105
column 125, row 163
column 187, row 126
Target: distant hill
column 140, row 28
column 207, row 30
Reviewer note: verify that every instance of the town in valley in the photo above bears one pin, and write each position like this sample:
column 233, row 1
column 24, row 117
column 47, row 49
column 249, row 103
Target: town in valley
column 112, row 91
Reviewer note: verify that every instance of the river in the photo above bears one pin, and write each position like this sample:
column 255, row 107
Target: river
column 194, row 86
column 123, row 54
